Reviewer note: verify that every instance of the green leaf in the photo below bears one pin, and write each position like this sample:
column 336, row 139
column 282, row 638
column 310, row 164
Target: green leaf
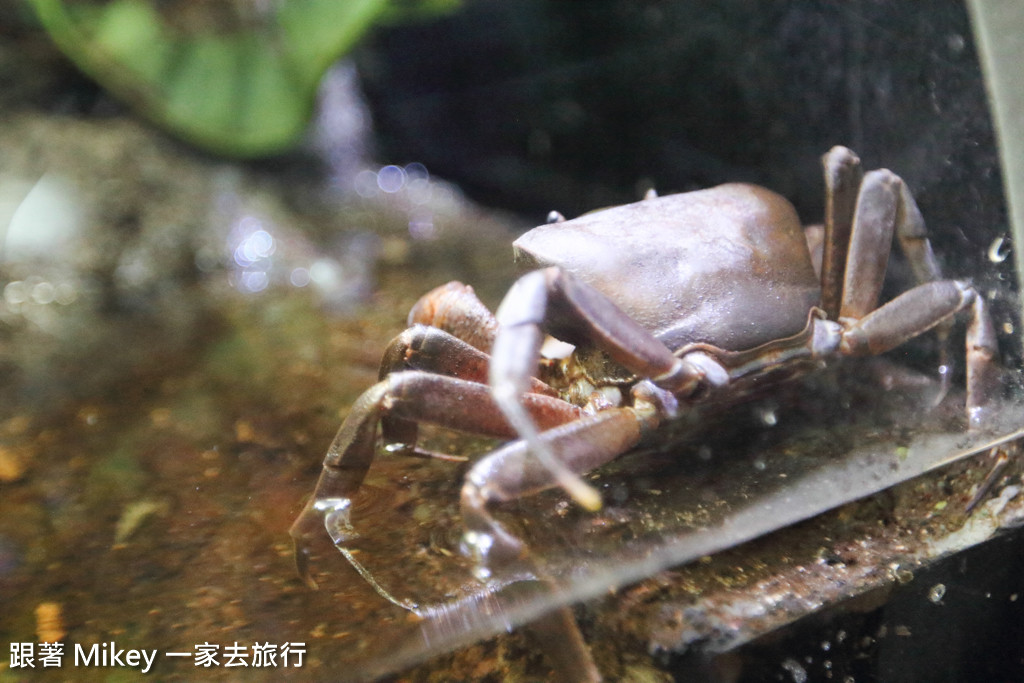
column 242, row 93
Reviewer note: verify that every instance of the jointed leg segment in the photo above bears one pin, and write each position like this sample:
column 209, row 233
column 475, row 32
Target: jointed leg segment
column 409, row 398
column 881, row 208
column 573, row 311
column 513, row 472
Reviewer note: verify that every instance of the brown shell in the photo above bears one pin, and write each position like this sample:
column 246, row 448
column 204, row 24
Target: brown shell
column 727, row 266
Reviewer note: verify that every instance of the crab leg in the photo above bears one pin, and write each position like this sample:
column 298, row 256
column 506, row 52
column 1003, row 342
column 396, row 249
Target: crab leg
column 574, row 309
column 911, row 313
column 428, row 348
column 417, row 397
column 886, row 206
column 918, row 310
column 983, row 376
column 843, row 176
column 558, row 636
column 422, row 347
column 454, row 308
column 553, row 296
column 510, row 473
column 913, row 239
column 870, row 243
column 861, row 213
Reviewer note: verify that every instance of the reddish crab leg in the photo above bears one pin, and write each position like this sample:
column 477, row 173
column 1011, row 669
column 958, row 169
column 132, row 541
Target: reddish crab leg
column 454, row 308
column 418, row 397
column 433, row 350
column 466, row 406
column 422, row 347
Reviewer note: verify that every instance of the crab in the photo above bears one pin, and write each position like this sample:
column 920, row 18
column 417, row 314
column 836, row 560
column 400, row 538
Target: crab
column 630, row 316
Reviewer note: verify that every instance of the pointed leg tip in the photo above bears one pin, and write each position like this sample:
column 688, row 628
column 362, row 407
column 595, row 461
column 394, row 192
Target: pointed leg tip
column 301, row 549
column 302, row 564
column 587, row 497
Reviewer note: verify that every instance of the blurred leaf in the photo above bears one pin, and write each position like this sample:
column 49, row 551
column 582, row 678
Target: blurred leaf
column 244, row 92
column 399, row 11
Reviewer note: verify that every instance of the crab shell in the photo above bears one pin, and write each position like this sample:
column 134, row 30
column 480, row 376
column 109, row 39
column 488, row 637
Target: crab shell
column 727, row 266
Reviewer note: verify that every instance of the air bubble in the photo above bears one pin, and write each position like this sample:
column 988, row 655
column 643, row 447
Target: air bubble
column 999, row 250
column 327, row 274
column 420, row 190
column 798, row 672
column 258, row 245
column 477, row 546
column 937, row 592
column 768, row 417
